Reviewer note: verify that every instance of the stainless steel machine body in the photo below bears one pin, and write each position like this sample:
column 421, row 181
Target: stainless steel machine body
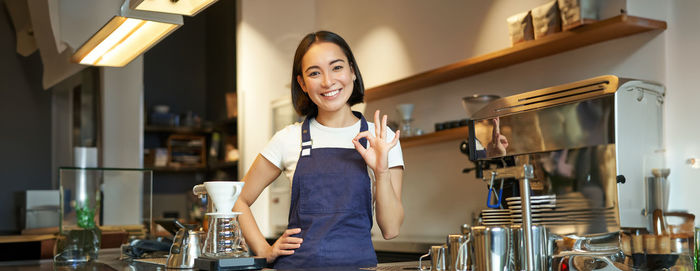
column 586, row 143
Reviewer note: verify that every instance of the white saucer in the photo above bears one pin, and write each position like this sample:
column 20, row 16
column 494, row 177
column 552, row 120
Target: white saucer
column 222, row 214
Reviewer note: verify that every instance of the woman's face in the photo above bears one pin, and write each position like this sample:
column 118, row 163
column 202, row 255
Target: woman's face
column 327, row 76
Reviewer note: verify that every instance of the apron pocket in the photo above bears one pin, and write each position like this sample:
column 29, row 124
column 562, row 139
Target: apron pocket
column 332, row 193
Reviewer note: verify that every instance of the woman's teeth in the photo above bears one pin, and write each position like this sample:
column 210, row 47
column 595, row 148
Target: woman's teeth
column 329, row 94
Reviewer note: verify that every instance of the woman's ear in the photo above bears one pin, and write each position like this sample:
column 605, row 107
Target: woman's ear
column 300, row 81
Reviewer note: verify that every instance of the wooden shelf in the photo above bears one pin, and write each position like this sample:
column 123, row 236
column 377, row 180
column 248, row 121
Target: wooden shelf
column 177, row 129
column 211, row 166
column 443, row 135
column 230, row 121
column 179, row 169
column 609, row 29
column 223, row 165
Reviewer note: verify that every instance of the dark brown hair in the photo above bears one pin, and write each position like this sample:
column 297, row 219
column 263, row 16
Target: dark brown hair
column 300, row 99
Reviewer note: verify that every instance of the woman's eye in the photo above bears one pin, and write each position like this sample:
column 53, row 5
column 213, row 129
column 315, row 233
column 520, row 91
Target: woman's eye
column 337, row 68
column 312, row 74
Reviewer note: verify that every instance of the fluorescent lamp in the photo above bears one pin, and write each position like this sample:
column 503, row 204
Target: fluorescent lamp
column 121, row 40
column 183, row 7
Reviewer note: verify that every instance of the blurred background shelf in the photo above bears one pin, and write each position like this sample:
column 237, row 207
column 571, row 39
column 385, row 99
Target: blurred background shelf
column 179, row 169
column 222, row 165
column 439, row 136
column 609, row 29
column 177, row 129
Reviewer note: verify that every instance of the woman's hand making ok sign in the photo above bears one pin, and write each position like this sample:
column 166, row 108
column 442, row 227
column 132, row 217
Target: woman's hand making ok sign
column 377, row 154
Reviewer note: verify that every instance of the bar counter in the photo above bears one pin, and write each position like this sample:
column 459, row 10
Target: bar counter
column 109, row 261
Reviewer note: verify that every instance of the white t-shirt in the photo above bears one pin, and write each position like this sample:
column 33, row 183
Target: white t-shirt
column 284, row 147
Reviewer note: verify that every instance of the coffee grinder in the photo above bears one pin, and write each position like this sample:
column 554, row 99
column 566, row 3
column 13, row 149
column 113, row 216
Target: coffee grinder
column 224, row 246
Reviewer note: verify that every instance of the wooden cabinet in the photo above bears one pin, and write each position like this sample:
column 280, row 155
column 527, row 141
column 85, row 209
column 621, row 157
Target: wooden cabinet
column 191, row 149
column 609, row 29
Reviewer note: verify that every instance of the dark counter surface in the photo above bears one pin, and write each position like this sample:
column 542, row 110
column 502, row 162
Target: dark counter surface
column 109, row 261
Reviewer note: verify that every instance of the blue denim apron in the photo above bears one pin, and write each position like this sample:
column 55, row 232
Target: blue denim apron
column 332, row 204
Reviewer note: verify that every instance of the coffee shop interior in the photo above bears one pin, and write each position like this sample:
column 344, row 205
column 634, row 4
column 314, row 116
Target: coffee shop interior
column 203, row 101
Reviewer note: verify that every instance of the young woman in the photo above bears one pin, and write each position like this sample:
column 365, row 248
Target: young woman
column 341, row 167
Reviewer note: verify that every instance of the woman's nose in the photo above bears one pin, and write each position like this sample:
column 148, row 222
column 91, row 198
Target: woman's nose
column 327, row 81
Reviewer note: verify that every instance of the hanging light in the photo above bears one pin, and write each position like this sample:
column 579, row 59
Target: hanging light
column 125, row 37
column 183, row 7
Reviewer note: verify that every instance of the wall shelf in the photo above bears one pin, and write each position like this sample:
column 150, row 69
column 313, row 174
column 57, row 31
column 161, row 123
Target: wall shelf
column 609, row 29
column 176, row 129
column 439, row 136
column 222, row 165
column 179, row 169
column 210, row 166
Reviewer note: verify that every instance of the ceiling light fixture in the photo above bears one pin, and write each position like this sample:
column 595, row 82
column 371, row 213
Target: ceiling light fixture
column 125, row 37
column 183, row 7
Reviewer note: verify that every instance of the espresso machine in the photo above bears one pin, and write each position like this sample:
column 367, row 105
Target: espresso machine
column 578, row 155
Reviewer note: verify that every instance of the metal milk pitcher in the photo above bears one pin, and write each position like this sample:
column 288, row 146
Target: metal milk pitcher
column 540, row 243
column 491, row 247
column 437, row 258
column 457, row 252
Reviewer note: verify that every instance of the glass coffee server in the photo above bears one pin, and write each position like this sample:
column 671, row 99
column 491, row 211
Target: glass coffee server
column 94, row 198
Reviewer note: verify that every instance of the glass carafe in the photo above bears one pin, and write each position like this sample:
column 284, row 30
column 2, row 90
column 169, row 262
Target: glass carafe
column 224, row 238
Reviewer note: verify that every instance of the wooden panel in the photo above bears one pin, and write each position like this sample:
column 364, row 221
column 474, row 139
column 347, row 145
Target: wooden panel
column 444, row 135
column 176, row 129
column 613, row 28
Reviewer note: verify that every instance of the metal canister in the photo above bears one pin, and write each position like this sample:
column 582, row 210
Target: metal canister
column 491, row 247
column 540, row 243
column 457, row 252
column 437, row 258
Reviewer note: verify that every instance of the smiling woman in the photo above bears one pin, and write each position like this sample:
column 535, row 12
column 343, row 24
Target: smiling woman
column 343, row 170
column 308, row 63
column 327, row 78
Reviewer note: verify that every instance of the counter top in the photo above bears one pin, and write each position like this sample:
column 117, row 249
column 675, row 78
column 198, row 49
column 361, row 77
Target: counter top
column 408, row 244
column 109, row 261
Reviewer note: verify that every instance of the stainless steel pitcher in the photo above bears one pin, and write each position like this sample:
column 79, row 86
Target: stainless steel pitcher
column 491, row 247
column 437, row 258
column 541, row 247
column 457, row 252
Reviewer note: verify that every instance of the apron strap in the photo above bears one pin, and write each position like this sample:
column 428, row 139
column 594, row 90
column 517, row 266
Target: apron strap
column 306, row 141
column 363, row 127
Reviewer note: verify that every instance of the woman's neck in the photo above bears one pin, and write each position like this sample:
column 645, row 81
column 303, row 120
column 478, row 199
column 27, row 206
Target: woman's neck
column 337, row 119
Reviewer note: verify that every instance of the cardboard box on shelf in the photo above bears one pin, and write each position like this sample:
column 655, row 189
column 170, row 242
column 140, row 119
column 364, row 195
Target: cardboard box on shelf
column 231, row 105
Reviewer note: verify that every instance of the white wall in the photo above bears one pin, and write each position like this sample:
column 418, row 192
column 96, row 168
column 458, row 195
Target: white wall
column 122, row 141
column 392, row 39
column 268, row 33
column 682, row 116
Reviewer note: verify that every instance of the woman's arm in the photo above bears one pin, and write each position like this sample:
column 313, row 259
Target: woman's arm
column 260, row 175
column 388, row 194
column 388, row 202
